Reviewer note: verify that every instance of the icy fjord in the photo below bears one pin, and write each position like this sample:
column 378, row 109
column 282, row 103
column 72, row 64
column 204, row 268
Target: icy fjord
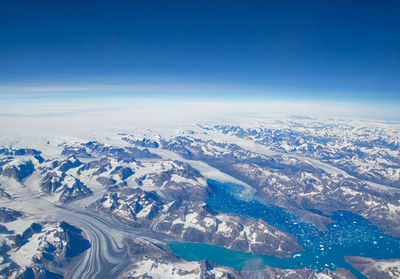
column 294, row 198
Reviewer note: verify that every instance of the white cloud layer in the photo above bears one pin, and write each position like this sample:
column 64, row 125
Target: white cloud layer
column 86, row 117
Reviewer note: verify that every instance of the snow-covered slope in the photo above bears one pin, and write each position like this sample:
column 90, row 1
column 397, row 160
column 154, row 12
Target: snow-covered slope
column 125, row 196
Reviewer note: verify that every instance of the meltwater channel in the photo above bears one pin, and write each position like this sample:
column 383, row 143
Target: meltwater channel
column 350, row 235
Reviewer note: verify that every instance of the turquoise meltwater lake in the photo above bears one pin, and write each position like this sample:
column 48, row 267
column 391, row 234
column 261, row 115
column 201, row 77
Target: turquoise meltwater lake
column 350, row 235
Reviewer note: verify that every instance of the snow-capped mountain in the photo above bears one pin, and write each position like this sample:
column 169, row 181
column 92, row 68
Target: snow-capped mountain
column 79, row 208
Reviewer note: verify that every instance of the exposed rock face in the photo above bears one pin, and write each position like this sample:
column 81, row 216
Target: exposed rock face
column 140, row 249
column 18, row 163
column 19, row 152
column 3, row 229
column 140, row 141
column 291, row 183
column 66, row 186
column 364, row 151
column 156, row 262
column 105, row 181
column 61, row 166
column 195, row 222
column 141, row 153
column 109, row 171
column 122, row 172
column 79, row 152
column 4, row 194
column 16, row 168
column 70, row 163
column 153, row 268
column 271, row 273
column 8, row 215
column 57, row 178
column 153, row 261
column 76, row 243
column 379, row 269
column 130, row 206
column 36, row 273
column 22, row 239
column 54, row 174
column 52, row 246
column 160, row 198
column 177, row 181
column 93, row 148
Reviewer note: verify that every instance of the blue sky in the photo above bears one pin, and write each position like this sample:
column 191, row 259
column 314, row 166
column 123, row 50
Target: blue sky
column 324, row 50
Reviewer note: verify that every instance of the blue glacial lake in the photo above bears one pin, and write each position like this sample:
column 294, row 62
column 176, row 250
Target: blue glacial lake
column 350, row 235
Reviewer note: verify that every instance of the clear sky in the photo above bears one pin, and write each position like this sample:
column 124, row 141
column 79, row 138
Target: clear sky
column 325, row 50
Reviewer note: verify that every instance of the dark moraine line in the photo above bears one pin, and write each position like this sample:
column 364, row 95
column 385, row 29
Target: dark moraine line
column 105, row 258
